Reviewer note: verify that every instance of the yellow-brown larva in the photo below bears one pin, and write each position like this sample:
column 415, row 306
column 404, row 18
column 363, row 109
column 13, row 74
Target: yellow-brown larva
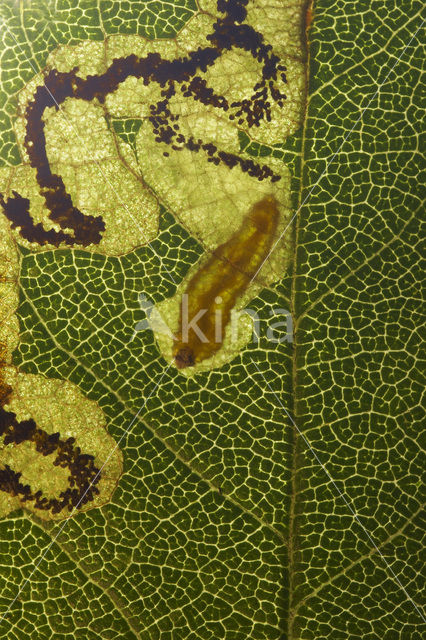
column 212, row 292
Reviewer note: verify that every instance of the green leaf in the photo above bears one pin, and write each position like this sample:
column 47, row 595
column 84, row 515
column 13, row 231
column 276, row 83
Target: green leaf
column 127, row 130
column 273, row 492
column 358, row 274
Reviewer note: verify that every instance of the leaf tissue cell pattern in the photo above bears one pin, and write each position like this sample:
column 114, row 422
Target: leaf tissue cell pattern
column 358, row 390
column 214, row 519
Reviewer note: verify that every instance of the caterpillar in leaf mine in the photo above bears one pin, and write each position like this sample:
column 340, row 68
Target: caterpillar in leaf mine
column 212, row 292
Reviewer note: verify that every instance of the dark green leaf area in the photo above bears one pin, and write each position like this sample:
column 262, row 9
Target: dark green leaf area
column 198, row 521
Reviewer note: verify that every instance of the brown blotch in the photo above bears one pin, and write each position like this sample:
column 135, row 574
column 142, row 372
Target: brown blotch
column 16, row 209
column 185, row 358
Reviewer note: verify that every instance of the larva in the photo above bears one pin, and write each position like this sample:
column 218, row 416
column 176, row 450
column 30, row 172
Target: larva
column 212, row 292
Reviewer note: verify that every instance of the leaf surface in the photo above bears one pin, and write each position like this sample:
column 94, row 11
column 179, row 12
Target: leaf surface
column 274, row 493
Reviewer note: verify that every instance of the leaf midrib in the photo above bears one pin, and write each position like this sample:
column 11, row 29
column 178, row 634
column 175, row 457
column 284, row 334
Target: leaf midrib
column 296, row 446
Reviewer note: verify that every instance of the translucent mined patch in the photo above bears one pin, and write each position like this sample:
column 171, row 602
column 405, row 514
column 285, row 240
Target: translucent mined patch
column 124, row 183
column 57, row 406
column 9, row 270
